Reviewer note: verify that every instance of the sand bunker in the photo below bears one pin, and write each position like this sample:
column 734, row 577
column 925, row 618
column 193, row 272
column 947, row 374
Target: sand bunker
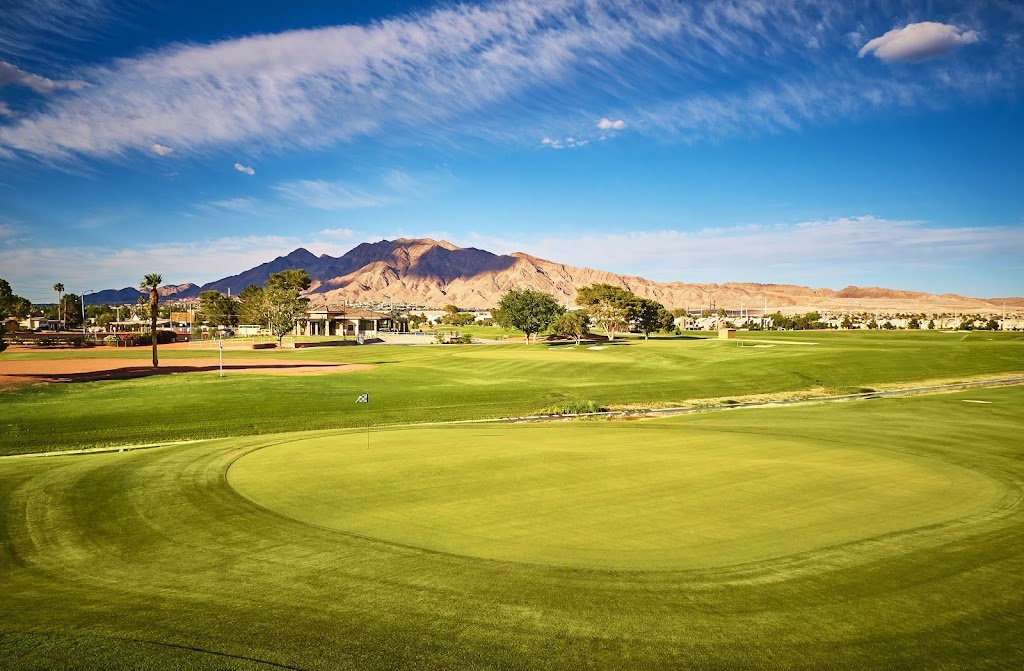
column 82, row 370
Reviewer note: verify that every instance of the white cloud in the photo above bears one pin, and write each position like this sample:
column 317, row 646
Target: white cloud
column 33, row 26
column 12, row 75
column 855, row 249
column 567, row 143
column 245, row 168
column 466, row 67
column 342, row 233
column 319, row 86
column 5, row 109
column 917, row 42
column 786, row 106
column 201, row 261
column 491, row 70
column 6, row 231
column 848, row 250
column 162, row 150
column 241, row 204
column 323, row 195
column 608, row 124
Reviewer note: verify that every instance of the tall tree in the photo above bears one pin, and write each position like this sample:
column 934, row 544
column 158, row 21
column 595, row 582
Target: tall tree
column 293, row 279
column 72, row 307
column 575, row 324
column 11, row 305
column 59, row 288
column 152, row 282
column 285, row 307
column 217, row 309
column 252, row 308
column 652, row 316
column 610, row 306
column 527, row 310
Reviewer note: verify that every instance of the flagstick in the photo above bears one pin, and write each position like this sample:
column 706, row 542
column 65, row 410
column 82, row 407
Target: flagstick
column 365, row 398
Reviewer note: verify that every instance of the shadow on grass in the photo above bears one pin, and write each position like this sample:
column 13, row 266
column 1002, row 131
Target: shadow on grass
column 135, row 372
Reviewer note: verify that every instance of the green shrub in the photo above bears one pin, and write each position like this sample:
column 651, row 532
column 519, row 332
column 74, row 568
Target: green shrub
column 162, row 338
column 571, row 408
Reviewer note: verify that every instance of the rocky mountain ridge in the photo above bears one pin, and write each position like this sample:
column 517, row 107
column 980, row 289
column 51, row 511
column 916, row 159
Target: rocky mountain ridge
column 435, row 273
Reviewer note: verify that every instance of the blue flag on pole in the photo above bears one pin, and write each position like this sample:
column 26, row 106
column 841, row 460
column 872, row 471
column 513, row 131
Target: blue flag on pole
column 365, row 398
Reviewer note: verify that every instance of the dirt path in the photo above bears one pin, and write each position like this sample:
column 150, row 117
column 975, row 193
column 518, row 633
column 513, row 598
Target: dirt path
column 83, row 370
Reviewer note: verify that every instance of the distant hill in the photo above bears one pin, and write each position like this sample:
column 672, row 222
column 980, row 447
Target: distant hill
column 435, row 273
column 131, row 294
column 300, row 258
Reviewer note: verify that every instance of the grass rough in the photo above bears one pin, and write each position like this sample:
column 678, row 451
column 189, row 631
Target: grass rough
column 150, row 559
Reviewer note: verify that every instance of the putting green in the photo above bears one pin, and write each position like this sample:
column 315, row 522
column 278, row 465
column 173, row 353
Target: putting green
column 646, row 496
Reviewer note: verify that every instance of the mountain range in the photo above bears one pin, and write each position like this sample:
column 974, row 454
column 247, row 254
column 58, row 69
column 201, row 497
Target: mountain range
column 436, row 273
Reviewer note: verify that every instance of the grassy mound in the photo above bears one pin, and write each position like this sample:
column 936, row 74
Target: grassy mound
column 106, row 558
column 655, row 495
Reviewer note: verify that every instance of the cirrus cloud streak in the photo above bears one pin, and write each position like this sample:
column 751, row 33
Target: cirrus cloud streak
column 498, row 70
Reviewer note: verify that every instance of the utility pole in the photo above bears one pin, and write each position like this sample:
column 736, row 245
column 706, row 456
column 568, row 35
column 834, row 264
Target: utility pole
column 87, row 291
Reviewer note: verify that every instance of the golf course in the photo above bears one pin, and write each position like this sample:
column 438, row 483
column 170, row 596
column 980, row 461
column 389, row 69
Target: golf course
column 265, row 521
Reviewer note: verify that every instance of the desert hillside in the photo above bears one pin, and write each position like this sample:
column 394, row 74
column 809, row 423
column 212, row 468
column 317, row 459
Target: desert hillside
column 435, row 273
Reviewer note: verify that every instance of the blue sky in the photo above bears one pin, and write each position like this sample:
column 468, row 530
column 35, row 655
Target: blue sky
column 794, row 141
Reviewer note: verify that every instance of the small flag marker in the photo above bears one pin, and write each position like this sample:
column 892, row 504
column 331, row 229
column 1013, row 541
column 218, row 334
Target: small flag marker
column 365, row 398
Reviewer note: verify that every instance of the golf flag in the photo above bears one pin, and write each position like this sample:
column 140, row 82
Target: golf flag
column 365, row 398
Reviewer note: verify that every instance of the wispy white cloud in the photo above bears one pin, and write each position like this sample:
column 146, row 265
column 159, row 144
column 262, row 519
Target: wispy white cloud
column 341, row 233
column 918, row 42
column 12, row 75
column 499, row 70
column 200, row 261
column 855, row 248
column 848, row 250
column 248, row 170
column 240, row 204
column 5, row 109
column 387, row 188
column 33, row 26
column 567, row 143
column 324, row 195
column 162, row 150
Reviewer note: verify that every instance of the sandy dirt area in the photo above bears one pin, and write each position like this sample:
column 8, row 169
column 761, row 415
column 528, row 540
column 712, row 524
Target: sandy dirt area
column 82, row 370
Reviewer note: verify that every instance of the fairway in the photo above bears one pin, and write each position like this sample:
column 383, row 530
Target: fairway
column 655, row 495
column 882, row 534
column 438, row 383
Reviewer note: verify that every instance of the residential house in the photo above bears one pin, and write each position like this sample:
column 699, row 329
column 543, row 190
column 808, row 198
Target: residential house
column 346, row 321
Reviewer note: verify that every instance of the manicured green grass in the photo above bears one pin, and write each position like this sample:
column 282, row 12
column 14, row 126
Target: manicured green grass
column 451, row 382
column 151, row 559
column 654, row 495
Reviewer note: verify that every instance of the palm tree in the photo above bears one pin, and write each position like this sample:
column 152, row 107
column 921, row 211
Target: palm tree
column 152, row 282
column 59, row 288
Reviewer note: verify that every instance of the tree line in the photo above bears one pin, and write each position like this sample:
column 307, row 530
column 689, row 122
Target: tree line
column 278, row 304
column 606, row 306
